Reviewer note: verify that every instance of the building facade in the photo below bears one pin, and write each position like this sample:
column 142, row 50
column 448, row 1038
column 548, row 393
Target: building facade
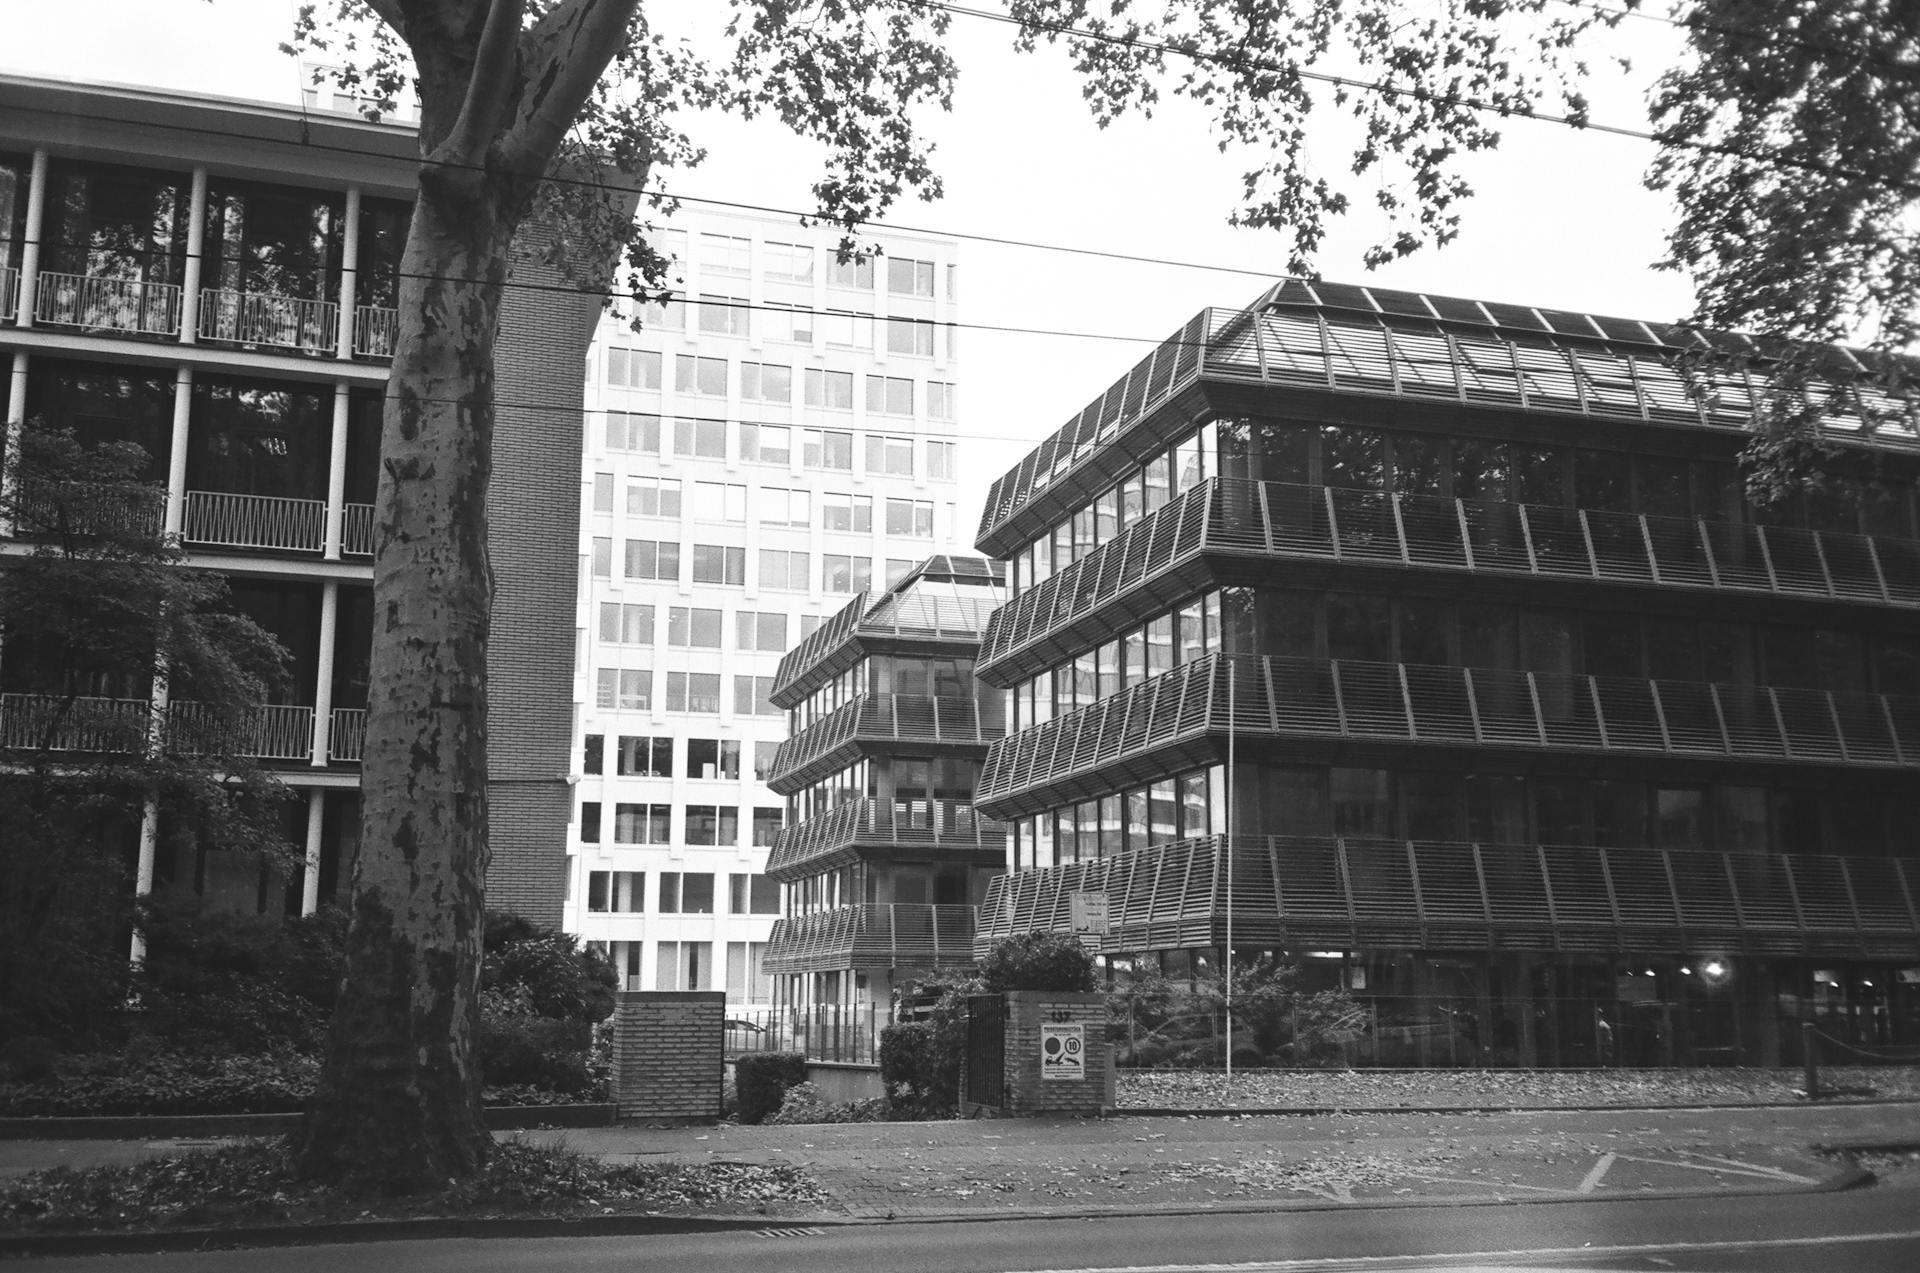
column 215, row 280
column 777, row 439
column 1431, row 645
column 883, row 860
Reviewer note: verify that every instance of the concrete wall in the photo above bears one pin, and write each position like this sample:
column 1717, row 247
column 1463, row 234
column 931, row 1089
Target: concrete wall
column 667, row 1064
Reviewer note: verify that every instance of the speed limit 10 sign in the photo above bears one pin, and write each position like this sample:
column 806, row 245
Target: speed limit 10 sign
column 1063, row 1051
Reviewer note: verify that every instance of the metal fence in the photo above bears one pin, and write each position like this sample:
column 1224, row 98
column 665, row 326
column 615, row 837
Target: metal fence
column 848, row 1033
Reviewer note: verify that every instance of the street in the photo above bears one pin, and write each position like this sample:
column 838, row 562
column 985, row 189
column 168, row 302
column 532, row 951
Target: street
column 1871, row 1230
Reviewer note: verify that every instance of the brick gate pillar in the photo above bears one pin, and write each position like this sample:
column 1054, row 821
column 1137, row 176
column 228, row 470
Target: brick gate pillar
column 667, row 1065
column 1043, row 1075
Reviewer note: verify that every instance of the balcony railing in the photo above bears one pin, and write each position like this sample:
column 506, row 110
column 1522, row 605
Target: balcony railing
column 376, row 331
column 356, row 530
column 903, row 936
column 78, row 508
column 1183, row 717
column 844, row 639
column 877, row 720
column 265, row 318
column 838, row 836
column 1308, row 892
column 9, row 293
column 97, row 303
column 255, row 521
column 347, row 741
column 119, row 725
column 1151, row 564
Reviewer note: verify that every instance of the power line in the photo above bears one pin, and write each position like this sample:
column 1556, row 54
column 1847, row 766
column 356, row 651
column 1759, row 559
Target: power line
column 1696, row 23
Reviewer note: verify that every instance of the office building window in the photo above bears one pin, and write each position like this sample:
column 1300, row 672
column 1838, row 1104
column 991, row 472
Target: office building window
column 721, row 501
column 711, row 824
column 842, row 572
column 683, row 965
column 704, row 438
column 891, row 456
column 623, row 624
column 700, row 375
column 788, row 262
column 746, row 981
column 782, row 569
column 843, row 512
column 764, row 630
column 898, row 568
column 593, row 751
column 767, row 821
column 653, row 559
column 780, row 506
column 752, row 895
column 625, row 689
column 590, row 822
column 714, row 563
column 910, row 336
column 693, row 627
column 602, row 557
column 793, row 323
column 633, row 431
column 827, row 449
column 641, row 823
column 616, row 892
column 908, row 277
column 713, row 758
column 910, row 517
column 725, row 254
column 603, row 492
column 830, row 390
column 633, row 368
column 940, row 400
column 766, row 382
column 766, row 443
column 669, row 314
column 723, row 315
column 845, row 329
column 686, row 893
column 940, row 464
column 640, row 756
column 693, row 691
column 763, row 754
column 851, row 273
column 753, row 696
column 653, row 497
column 889, row 395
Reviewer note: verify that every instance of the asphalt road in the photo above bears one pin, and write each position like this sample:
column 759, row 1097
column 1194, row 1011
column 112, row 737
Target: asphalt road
column 1875, row 1230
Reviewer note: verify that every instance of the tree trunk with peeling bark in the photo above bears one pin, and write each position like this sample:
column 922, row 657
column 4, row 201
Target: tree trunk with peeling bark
column 398, row 1107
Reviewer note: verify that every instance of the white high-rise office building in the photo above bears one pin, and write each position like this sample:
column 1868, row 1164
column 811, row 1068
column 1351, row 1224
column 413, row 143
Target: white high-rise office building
column 775, row 441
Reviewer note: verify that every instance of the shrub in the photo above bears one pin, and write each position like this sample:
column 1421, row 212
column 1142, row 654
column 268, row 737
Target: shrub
column 761, row 1080
column 563, row 980
column 803, row 1103
column 1161, row 1022
column 155, row 1082
column 518, row 1046
column 1037, row 961
column 921, row 1073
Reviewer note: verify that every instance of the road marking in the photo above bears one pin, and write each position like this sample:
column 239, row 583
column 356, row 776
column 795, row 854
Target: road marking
column 1743, row 1169
column 788, row 1233
column 1422, row 1261
column 1752, row 1166
column 1592, row 1180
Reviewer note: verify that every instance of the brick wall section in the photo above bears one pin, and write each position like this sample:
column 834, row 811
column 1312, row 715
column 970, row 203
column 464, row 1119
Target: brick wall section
column 1027, row 1092
column 534, row 542
column 667, row 1064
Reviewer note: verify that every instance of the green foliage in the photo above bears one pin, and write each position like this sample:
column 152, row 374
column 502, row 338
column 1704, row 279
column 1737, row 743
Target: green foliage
column 152, row 1081
column 1037, row 961
column 220, row 982
column 761, row 1080
column 920, row 1057
column 517, row 1045
column 563, row 980
column 804, row 1103
column 1156, row 1021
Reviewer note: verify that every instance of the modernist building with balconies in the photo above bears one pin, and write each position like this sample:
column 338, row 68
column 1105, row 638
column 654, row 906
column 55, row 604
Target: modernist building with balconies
column 215, row 281
column 883, row 859
column 1430, row 644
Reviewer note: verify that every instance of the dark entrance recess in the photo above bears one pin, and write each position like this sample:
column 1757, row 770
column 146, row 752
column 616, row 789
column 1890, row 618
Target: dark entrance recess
column 986, row 1050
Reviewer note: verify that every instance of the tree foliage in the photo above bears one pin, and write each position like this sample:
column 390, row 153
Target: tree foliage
column 95, row 614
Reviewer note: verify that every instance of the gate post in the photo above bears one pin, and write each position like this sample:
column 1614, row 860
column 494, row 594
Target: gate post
column 1057, row 1059
column 667, row 1055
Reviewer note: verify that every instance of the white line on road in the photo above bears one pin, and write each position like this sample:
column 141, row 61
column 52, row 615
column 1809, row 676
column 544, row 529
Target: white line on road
column 1762, row 1168
column 1592, row 1180
column 1744, row 1169
column 1453, row 1257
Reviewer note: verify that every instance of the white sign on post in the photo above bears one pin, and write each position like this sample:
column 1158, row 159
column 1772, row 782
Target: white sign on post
column 1063, row 1051
column 1089, row 912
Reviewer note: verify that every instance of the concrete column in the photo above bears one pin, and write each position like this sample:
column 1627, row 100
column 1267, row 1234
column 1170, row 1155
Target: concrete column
column 349, row 273
column 177, row 454
column 196, row 244
column 310, row 877
column 143, row 874
column 16, row 425
column 337, row 473
column 323, row 674
column 30, row 250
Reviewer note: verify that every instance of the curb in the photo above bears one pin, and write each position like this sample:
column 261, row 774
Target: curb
column 1323, row 1111
column 499, row 1118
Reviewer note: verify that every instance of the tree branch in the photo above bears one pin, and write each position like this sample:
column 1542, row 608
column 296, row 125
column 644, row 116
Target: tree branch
column 488, row 87
column 571, row 46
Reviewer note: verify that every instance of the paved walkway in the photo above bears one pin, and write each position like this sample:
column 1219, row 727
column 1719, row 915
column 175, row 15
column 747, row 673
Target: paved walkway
column 1135, row 1164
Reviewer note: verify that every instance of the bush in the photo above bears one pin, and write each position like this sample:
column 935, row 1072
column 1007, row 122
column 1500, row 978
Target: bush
column 1037, row 961
column 165, row 1083
column 803, row 1103
column 563, row 980
column 761, row 1080
column 518, row 1046
column 921, row 1073
column 1275, row 1022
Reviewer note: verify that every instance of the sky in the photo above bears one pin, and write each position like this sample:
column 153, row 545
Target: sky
column 1561, row 219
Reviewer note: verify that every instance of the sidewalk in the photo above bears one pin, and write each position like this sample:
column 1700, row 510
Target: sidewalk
column 1021, row 1167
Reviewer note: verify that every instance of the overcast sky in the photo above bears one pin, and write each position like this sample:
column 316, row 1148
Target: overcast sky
column 1560, row 219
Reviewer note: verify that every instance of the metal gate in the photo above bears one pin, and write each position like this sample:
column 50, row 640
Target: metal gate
column 986, row 1050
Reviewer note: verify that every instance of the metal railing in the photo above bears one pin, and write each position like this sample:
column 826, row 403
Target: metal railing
column 841, row 641
column 898, row 936
column 76, row 508
column 98, row 303
column 273, row 731
column 1302, row 892
column 1140, row 569
column 233, row 520
column 119, row 725
column 847, row 1033
column 376, row 331
column 836, row 740
column 9, row 293
column 836, row 836
column 1176, row 717
column 266, row 318
column 356, row 530
column 347, row 740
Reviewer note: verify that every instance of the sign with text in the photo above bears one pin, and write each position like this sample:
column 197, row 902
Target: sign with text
column 1089, row 912
column 1063, row 1051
